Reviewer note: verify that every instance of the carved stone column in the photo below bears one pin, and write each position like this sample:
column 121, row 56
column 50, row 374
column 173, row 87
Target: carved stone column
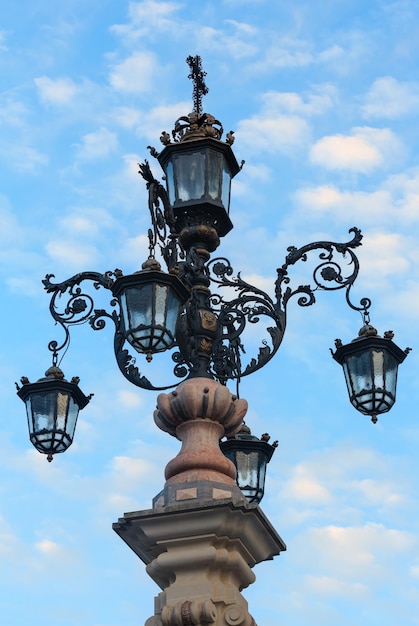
column 201, row 539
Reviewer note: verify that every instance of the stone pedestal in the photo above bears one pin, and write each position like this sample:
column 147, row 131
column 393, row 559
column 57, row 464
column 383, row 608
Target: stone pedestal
column 202, row 538
column 201, row 555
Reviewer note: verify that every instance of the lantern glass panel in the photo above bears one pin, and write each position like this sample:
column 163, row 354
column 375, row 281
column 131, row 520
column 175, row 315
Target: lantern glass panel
column 247, row 463
column 160, row 303
column 190, row 176
column 225, row 193
column 358, row 372
column 391, row 374
column 40, row 408
column 136, row 306
column 170, row 182
column 173, row 304
column 214, row 175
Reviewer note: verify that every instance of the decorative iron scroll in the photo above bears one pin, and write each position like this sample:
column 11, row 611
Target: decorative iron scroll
column 251, row 303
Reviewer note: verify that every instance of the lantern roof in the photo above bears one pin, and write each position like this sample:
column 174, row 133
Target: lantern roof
column 53, row 380
column 370, row 336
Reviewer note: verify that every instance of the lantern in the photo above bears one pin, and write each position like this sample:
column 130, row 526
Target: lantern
column 250, row 456
column 370, row 364
column 198, row 176
column 149, row 302
column 52, row 408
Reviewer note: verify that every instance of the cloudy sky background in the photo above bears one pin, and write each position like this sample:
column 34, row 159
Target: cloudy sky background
column 323, row 99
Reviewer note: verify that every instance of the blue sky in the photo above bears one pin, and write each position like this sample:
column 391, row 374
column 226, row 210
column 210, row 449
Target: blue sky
column 323, row 99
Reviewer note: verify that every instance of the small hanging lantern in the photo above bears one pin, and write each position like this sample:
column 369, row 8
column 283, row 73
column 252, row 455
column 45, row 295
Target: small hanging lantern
column 52, row 407
column 370, row 364
column 250, row 455
column 149, row 302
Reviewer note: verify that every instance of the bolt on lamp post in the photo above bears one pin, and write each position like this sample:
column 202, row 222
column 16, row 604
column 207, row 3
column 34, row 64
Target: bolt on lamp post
column 205, row 531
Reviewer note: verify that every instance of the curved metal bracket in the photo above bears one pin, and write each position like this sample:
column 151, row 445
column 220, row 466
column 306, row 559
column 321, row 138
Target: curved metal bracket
column 251, row 303
column 79, row 306
column 127, row 365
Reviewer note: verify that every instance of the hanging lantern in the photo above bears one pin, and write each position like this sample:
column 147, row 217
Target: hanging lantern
column 149, row 302
column 370, row 364
column 52, row 407
column 250, row 456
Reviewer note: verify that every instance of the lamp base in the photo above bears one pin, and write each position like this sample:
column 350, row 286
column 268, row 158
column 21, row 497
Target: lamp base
column 201, row 555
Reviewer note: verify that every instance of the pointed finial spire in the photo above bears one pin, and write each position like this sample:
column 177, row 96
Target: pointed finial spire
column 197, row 75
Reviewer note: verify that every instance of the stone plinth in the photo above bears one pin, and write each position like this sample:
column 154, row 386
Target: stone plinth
column 201, row 555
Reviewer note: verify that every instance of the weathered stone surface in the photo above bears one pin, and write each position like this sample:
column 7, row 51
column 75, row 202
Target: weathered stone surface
column 201, row 555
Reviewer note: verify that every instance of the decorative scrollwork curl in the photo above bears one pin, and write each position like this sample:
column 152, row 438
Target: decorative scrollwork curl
column 78, row 308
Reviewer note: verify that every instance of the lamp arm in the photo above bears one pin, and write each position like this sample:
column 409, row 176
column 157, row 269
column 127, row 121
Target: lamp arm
column 327, row 275
column 252, row 303
column 78, row 307
column 248, row 307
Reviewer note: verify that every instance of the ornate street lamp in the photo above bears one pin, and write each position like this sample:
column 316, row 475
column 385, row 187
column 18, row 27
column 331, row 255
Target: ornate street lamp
column 155, row 311
column 370, row 364
column 202, row 517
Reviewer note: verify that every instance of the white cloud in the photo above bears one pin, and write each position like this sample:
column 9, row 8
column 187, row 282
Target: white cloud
column 12, row 112
column 393, row 202
column 22, row 157
column 48, row 547
column 327, row 585
column 358, row 204
column 304, row 486
column 236, row 44
column 390, row 98
column 387, row 255
column 127, row 117
column 86, row 221
column 283, row 133
column 58, row 91
column 379, row 492
column 318, row 101
column 135, row 74
column 97, row 145
column 160, row 118
column 130, row 399
column 72, row 254
column 359, row 551
column 148, row 16
column 289, row 53
column 363, row 151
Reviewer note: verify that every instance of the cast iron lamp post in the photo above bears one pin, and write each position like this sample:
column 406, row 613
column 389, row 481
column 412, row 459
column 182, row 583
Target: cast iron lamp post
column 201, row 562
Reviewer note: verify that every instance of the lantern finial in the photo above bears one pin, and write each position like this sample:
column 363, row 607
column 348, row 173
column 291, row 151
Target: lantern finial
column 197, row 75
